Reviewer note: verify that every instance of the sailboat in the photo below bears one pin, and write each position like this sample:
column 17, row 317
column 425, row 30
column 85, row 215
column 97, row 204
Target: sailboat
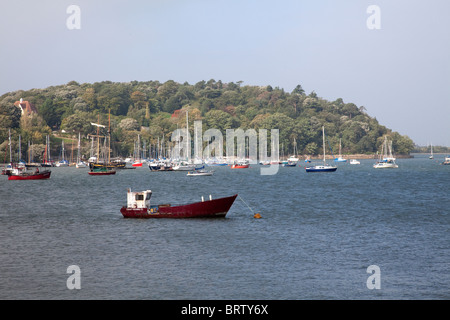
column 431, row 155
column 103, row 168
column 138, row 162
column 80, row 164
column 340, row 159
column 186, row 164
column 325, row 167
column 385, row 161
column 47, row 160
column 293, row 159
column 446, row 161
column 62, row 162
column 11, row 167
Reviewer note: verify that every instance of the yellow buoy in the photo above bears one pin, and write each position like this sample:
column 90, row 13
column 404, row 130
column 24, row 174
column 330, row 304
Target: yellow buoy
column 257, row 216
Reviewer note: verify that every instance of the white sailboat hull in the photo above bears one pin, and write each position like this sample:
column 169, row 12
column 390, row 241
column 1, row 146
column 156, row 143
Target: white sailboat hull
column 385, row 165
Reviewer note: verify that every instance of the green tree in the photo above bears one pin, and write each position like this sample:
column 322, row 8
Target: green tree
column 49, row 113
column 90, row 98
column 218, row 119
column 77, row 122
column 168, row 89
column 311, row 148
column 298, row 90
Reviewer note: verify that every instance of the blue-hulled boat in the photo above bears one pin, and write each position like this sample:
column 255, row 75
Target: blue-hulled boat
column 323, row 167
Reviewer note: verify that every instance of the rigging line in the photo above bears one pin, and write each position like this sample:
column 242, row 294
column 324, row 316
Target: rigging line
column 245, row 204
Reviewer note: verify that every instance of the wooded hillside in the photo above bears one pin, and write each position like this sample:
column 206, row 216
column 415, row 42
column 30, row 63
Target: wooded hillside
column 150, row 110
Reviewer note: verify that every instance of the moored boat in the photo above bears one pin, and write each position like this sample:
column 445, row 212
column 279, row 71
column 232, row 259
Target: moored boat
column 183, row 166
column 200, row 173
column 387, row 161
column 160, row 166
column 62, row 163
column 9, row 169
column 138, row 206
column 290, row 164
column 108, row 166
column 321, row 168
column 102, row 172
column 385, row 164
column 81, row 164
column 325, row 167
column 48, row 164
column 137, row 163
column 27, row 175
column 241, row 165
column 340, row 158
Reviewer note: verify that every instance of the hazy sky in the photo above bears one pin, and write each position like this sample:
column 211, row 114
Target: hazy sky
column 399, row 73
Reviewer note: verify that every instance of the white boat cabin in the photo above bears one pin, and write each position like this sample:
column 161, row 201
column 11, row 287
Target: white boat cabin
column 139, row 199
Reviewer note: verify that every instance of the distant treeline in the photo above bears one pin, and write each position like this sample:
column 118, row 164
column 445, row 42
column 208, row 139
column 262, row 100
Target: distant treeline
column 427, row 149
column 154, row 110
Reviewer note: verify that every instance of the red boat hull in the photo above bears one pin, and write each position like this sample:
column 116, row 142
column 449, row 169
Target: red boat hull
column 31, row 176
column 217, row 208
column 235, row 166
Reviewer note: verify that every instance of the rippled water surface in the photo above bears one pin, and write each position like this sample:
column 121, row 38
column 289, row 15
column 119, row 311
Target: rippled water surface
column 318, row 234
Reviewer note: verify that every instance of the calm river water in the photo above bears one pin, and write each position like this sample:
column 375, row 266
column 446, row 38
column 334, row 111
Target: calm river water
column 318, row 234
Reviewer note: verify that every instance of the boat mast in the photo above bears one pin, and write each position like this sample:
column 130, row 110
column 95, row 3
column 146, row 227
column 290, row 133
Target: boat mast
column 109, row 136
column 62, row 151
column 323, row 135
column 138, row 151
column 45, row 151
column 179, row 144
column 98, row 138
column 20, row 151
column 49, row 158
column 295, row 147
column 10, row 151
column 187, row 134
column 78, row 153
column 71, row 153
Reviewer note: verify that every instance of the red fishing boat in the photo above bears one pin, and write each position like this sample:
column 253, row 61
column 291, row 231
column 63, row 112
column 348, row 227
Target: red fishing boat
column 138, row 206
column 26, row 175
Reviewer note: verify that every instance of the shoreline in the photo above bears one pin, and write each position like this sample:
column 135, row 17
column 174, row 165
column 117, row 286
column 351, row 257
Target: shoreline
column 351, row 156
